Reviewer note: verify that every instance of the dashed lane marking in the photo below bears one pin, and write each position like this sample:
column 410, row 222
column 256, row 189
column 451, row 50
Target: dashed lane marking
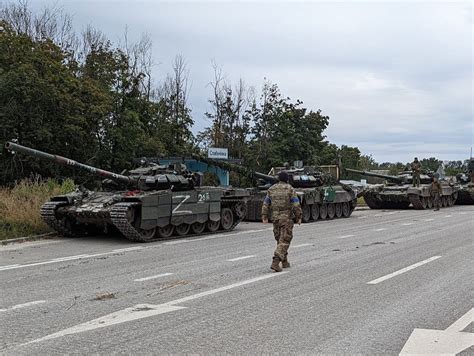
column 301, row 245
column 344, row 237
column 448, row 216
column 380, row 229
column 152, row 277
column 24, row 305
column 403, row 270
column 407, row 224
column 240, row 258
column 428, row 220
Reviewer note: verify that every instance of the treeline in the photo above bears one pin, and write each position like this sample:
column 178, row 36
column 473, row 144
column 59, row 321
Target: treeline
column 83, row 97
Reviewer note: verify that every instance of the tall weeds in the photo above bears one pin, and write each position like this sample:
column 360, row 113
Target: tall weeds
column 20, row 206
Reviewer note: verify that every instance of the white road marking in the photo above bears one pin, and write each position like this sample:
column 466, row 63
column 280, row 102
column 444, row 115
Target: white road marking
column 222, row 289
column 441, row 342
column 176, row 242
column 462, row 322
column 128, row 249
column 403, row 270
column 68, row 258
column 240, row 258
column 135, row 248
column 381, row 229
column 407, row 224
column 448, row 216
column 152, row 277
column 428, row 220
column 24, row 305
column 212, row 237
column 301, row 245
column 344, row 237
column 362, row 217
column 141, row 311
column 462, row 213
column 378, row 215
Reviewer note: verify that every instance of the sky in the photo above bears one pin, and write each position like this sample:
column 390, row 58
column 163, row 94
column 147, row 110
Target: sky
column 395, row 78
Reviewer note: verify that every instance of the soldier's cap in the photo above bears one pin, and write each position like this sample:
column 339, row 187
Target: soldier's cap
column 283, row 176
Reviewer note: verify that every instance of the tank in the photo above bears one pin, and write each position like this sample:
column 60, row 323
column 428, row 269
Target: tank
column 399, row 193
column 321, row 196
column 144, row 204
column 465, row 183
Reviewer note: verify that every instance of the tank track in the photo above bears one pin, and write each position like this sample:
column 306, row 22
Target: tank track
column 118, row 215
column 415, row 201
column 48, row 213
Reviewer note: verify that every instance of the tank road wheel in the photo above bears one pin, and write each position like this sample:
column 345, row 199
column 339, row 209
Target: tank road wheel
column 323, row 211
column 182, row 229
column 165, row 231
column 148, row 234
column 331, row 210
column 198, row 228
column 346, row 209
column 338, row 210
column 213, row 226
column 452, row 200
column 429, row 202
column 314, row 212
column 424, row 202
column 306, row 213
column 227, row 219
column 444, row 201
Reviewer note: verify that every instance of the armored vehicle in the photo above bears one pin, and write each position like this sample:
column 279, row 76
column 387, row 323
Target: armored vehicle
column 143, row 205
column 321, row 196
column 466, row 185
column 399, row 193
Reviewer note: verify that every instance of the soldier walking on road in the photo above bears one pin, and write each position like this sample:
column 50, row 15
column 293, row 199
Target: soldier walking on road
column 282, row 199
column 435, row 191
column 416, row 170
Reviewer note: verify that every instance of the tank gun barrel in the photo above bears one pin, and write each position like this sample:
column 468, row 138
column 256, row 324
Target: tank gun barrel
column 265, row 177
column 14, row 147
column 372, row 174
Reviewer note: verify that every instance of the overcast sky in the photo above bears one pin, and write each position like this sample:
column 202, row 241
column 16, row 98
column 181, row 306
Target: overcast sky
column 395, row 78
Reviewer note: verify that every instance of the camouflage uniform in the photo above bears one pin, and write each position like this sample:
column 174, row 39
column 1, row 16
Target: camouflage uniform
column 416, row 170
column 282, row 199
column 435, row 191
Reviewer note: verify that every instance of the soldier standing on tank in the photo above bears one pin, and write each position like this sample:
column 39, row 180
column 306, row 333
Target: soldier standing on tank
column 435, row 191
column 282, row 199
column 416, row 170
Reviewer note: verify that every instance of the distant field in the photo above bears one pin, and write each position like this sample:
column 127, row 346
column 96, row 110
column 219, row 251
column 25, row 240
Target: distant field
column 20, row 206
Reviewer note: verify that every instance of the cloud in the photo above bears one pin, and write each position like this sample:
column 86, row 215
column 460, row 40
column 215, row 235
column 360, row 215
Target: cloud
column 395, row 78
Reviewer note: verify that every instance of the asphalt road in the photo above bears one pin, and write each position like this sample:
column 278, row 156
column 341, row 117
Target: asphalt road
column 356, row 286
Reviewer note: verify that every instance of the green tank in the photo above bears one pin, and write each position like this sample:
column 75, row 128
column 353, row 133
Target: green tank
column 321, row 196
column 398, row 191
column 466, row 185
column 144, row 204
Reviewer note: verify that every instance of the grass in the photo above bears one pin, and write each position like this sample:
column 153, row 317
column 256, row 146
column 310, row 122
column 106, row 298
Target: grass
column 20, row 206
column 361, row 201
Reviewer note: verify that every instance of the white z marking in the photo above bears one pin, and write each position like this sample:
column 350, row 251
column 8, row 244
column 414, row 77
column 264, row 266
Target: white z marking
column 176, row 210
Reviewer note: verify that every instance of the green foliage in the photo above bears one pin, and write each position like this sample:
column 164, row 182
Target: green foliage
column 98, row 110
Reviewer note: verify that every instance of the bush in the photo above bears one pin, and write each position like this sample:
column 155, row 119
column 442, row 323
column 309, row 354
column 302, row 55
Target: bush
column 20, row 206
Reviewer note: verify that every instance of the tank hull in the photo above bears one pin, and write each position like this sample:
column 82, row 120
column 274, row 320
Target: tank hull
column 404, row 196
column 320, row 203
column 147, row 216
column 466, row 195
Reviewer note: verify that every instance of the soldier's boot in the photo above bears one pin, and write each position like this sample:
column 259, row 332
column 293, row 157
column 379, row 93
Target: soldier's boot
column 285, row 263
column 276, row 264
